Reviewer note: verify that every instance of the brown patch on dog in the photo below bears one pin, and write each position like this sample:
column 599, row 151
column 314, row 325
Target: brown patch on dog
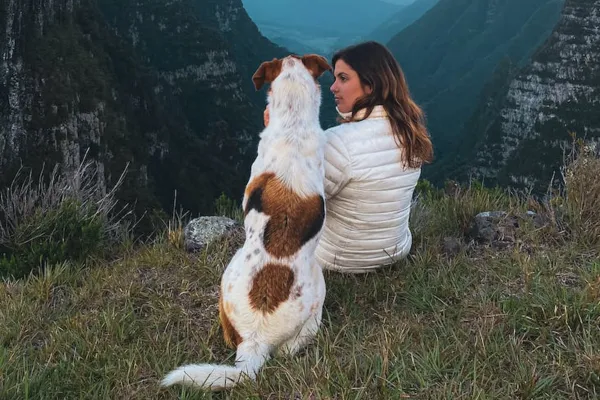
column 294, row 220
column 254, row 192
column 230, row 335
column 266, row 73
column 316, row 64
column 271, row 286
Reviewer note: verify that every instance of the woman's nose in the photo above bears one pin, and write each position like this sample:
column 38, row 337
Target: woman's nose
column 332, row 88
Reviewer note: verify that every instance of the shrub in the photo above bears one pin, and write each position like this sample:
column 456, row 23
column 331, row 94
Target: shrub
column 66, row 217
column 425, row 188
column 224, row 206
column 578, row 206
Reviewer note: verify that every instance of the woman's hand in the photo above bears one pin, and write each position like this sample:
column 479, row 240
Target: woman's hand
column 266, row 116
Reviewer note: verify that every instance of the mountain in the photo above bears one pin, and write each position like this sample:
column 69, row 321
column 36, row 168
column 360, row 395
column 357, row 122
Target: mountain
column 345, row 17
column 450, row 53
column 400, row 20
column 164, row 86
column 301, row 40
column 524, row 128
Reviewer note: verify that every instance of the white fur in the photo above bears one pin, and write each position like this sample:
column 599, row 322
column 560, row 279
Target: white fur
column 292, row 148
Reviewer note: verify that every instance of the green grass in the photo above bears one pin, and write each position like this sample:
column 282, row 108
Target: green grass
column 517, row 323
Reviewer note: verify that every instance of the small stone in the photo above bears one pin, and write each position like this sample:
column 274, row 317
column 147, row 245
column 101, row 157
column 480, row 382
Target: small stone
column 491, row 214
column 202, row 231
column 568, row 279
column 494, row 227
column 482, row 229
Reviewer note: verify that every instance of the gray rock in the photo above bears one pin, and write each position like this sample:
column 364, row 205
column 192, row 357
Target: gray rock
column 491, row 214
column 494, row 227
column 202, row 231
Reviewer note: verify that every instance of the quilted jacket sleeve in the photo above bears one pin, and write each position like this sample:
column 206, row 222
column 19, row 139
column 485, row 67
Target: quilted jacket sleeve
column 337, row 164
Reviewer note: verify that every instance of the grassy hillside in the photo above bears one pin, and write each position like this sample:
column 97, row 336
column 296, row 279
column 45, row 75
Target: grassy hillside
column 518, row 321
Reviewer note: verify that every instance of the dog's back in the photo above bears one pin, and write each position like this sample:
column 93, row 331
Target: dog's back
column 272, row 291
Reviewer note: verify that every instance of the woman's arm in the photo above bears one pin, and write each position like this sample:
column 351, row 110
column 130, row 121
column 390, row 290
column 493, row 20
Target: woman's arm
column 337, row 165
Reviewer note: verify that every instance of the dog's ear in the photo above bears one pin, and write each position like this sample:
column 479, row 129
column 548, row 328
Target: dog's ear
column 316, row 64
column 266, row 73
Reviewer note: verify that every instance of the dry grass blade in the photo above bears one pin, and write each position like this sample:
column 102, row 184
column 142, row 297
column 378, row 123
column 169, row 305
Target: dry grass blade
column 26, row 197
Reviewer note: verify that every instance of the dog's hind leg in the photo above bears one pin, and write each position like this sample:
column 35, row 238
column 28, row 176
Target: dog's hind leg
column 312, row 324
column 303, row 337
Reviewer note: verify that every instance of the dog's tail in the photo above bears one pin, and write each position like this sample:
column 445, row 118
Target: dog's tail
column 249, row 359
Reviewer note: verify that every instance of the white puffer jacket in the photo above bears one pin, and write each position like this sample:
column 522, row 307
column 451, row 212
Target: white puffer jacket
column 368, row 194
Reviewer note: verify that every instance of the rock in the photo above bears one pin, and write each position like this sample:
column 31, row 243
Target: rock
column 492, row 214
column 500, row 229
column 568, row 279
column 495, row 227
column 202, row 231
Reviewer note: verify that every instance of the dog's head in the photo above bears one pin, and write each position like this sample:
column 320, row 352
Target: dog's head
column 294, row 85
column 268, row 71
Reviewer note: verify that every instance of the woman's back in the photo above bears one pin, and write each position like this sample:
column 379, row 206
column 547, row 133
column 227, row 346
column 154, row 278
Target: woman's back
column 372, row 162
column 369, row 193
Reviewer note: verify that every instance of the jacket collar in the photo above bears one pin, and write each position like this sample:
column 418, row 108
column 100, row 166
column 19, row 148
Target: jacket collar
column 378, row 112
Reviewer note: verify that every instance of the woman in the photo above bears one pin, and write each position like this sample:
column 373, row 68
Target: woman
column 373, row 162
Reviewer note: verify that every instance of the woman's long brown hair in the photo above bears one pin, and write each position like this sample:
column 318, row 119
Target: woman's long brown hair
column 378, row 69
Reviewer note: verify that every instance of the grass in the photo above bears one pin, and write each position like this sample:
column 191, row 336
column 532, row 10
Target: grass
column 513, row 323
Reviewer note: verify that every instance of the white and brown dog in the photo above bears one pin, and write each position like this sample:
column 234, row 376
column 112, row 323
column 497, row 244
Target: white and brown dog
column 272, row 291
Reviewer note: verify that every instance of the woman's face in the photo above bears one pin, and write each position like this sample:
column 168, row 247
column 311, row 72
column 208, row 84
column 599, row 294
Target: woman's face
column 347, row 87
